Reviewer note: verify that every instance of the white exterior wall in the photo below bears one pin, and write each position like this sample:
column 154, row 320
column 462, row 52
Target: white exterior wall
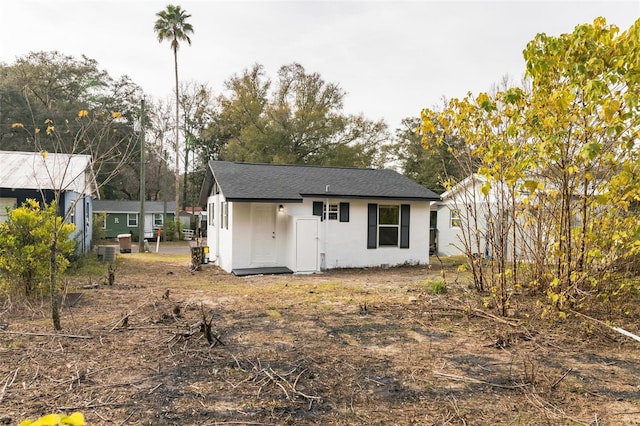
column 340, row 244
column 449, row 238
column 344, row 244
column 4, row 203
column 82, row 218
column 469, row 200
column 219, row 239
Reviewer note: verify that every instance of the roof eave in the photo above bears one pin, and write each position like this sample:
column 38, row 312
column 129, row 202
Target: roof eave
column 371, row 197
column 263, row 200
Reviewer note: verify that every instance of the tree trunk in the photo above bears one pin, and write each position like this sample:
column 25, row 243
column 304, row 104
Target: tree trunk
column 53, row 270
column 176, row 232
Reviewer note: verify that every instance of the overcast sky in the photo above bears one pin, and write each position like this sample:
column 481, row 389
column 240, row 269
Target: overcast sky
column 393, row 58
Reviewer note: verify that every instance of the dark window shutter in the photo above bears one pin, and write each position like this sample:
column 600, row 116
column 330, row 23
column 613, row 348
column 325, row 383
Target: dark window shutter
column 405, row 213
column 317, row 209
column 372, row 226
column 344, row 212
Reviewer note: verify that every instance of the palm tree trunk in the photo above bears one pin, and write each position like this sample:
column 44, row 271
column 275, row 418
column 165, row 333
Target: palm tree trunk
column 177, row 148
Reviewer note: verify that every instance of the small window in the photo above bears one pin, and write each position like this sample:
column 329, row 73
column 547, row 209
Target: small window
column 333, row 212
column 455, row 218
column 224, row 223
column 132, row 220
column 433, row 220
column 158, row 220
column 212, row 213
column 388, row 225
column 344, row 212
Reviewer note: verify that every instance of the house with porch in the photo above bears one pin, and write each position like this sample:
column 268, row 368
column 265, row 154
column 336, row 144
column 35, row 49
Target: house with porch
column 123, row 217
column 291, row 218
column 40, row 176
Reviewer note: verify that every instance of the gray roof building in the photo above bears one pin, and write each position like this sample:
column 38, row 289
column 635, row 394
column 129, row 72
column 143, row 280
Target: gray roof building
column 129, row 206
column 250, row 182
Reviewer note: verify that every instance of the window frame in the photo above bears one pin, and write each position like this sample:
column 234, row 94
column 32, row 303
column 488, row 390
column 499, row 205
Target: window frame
column 455, row 220
column 330, row 211
column 129, row 216
column 224, row 222
column 382, row 242
column 155, row 221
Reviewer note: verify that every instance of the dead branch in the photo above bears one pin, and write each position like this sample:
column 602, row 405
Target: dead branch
column 467, row 310
column 266, row 375
column 617, row 329
column 454, row 404
column 561, row 378
column 205, row 327
column 487, row 315
column 279, row 380
column 26, row 333
column 472, row 380
column 8, row 383
column 121, row 319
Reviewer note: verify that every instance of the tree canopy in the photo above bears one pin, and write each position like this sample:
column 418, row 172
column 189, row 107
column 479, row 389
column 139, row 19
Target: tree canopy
column 296, row 119
column 430, row 168
column 48, row 88
column 566, row 154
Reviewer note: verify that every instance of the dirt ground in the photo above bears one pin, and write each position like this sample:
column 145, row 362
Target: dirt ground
column 164, row 346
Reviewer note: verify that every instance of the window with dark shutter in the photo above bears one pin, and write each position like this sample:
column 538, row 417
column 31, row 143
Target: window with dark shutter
column 318, row 209
column 405, row 213
column 388, row 225
column 344, row 212
column 372, row 226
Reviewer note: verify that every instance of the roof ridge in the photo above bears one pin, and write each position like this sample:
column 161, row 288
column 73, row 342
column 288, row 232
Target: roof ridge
column 303, row 165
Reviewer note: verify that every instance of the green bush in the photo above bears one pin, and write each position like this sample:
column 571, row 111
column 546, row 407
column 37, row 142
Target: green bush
column 437, row 287
column 97, row 231
column 169, row 230
column 25, row 241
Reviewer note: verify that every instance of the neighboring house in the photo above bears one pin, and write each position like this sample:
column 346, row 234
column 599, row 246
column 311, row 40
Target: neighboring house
column 471, row 221
column 308, row 219
column 194, row 222
column 123, row 216
column 456, row 209
column 33, row 175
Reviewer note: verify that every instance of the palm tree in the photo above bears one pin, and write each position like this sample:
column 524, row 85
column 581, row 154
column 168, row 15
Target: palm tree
column 172, row 25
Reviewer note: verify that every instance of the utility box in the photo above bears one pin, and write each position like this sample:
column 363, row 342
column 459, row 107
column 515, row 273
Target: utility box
column 200, row 255
column 125, row 243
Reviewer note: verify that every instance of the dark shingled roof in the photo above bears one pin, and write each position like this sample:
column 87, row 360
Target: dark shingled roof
column 129, row 206
column 279, row 182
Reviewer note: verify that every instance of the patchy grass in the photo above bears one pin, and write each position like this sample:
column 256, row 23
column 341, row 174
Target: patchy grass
column 346, row 347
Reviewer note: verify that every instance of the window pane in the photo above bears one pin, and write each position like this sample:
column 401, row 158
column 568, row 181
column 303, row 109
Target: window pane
column 389, row 215
column 333, row 212
column 455, row 218
column 388, row 236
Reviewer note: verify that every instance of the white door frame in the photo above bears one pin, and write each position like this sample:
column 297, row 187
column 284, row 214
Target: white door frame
column 307, row 244
column 263, row 234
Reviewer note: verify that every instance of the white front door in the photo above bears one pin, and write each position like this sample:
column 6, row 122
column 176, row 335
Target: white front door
column 307, row 244
column 148, row 226
column 263, row 230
